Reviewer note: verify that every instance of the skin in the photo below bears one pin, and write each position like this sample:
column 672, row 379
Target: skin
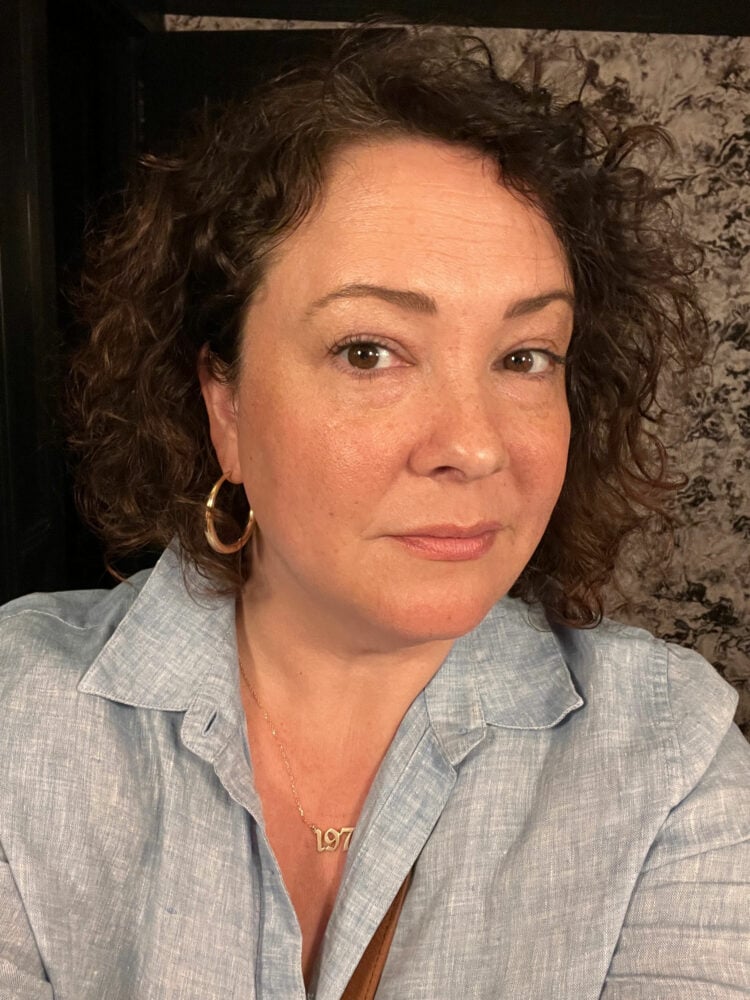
column 463, row 421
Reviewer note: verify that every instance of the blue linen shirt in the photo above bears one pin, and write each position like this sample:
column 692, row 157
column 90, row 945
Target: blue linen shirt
column 576, row 805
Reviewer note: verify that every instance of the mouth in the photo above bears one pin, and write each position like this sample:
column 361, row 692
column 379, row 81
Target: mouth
column 450, row 542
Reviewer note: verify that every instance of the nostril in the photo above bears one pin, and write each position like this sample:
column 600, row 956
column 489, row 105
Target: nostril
column 452, row 473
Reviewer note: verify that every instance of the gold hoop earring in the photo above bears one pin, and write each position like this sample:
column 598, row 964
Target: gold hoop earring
column 211, row 537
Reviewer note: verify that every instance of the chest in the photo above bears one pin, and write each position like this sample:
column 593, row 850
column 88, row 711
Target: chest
column 310, row 841
column 519, row 878
column 311, row 877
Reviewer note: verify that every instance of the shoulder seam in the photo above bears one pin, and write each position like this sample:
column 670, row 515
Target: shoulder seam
column 46, row 614
column 675, row 733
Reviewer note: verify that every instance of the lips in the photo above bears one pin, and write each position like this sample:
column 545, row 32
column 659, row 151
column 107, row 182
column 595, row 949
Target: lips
column 450, row 542
column 451, row 530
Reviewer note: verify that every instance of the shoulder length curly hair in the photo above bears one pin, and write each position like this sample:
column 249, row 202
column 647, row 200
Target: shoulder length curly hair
column 177, row 266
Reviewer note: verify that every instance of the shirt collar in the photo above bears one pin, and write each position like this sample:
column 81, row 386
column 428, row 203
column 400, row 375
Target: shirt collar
column 178, row 640
column 508, row 672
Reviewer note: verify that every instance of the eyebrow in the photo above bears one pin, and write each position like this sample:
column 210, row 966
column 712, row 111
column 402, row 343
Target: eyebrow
column 538, row 302
column 421, row 303
column 401, row 297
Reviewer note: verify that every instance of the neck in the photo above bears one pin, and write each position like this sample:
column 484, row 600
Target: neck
column 319, row 672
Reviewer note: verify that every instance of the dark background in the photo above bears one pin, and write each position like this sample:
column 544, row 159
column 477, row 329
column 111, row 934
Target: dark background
column 85, row 85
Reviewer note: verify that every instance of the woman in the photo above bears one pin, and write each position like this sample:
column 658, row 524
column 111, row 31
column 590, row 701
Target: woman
column 416, row 315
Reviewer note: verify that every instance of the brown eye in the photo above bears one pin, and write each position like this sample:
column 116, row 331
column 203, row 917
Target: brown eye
column 519, row 361
column 363, row 356
column 531, row 361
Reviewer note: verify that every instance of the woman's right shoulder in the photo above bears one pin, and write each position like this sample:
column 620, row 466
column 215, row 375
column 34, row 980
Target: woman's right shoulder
column 51, row 639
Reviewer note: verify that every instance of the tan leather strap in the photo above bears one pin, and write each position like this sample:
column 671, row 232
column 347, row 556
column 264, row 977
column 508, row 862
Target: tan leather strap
column 366, row 976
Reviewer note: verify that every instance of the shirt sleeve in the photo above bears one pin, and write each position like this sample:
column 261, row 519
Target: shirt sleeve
column 21, row 970
column 686, row 933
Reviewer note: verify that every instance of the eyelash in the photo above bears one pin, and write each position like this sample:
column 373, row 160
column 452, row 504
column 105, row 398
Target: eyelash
column 337, row 349
column 557, row 360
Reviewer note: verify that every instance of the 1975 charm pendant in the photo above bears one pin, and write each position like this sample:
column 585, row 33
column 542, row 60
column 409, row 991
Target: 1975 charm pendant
column 331, row 839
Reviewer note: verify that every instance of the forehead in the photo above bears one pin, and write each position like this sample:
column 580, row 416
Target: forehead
column 425, row 215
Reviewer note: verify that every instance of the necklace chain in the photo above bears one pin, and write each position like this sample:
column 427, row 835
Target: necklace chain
column 326, row 840
column 284, row 757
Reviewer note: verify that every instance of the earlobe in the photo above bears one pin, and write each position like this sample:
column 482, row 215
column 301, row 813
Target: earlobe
column 219, row 400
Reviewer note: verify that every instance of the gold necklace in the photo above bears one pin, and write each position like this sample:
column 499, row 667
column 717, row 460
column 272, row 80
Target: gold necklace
column 325, row 840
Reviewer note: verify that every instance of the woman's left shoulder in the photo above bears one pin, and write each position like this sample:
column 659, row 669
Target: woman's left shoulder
column 633, row 658
column 653, row 686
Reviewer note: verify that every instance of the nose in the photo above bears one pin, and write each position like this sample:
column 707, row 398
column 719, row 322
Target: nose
column 461, row 433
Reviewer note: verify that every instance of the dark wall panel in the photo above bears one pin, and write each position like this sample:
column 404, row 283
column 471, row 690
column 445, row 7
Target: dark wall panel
column 30, row 467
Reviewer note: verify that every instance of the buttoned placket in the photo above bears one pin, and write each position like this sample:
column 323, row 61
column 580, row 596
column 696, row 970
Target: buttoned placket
column 220, row 738
column 392, row 830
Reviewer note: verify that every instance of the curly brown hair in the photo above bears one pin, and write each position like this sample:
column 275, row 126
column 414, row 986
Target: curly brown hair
column 177, row 266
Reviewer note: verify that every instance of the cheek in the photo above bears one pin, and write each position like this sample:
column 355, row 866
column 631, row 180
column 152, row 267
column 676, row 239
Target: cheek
column 539, row 455
column 299, row 454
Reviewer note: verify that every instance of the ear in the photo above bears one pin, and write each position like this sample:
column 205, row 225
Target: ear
column 219, row 399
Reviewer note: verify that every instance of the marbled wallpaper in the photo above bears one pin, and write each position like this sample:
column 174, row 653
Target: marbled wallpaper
column 699, row 88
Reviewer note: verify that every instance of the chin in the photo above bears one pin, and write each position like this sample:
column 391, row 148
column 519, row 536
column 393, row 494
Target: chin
column 421, row 620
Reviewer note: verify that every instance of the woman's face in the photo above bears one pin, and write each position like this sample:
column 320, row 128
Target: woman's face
column 400, row 423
